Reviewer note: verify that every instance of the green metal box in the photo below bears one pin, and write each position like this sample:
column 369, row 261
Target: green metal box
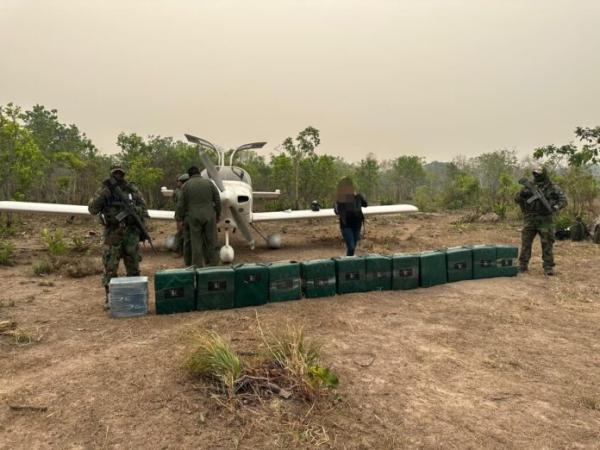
column 459, row 261
column 378, row 270
column 175, row 291
column 215, row 288
column 484, row 261
column 318, row 278
column 251, row 285
column 284, row 281
column 405, row 271
column 350, row 274
column 506, row 260
column 432, row 268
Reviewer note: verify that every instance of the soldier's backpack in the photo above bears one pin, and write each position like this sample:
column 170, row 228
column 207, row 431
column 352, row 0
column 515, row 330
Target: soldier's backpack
column 562, row 234
column 578, row 231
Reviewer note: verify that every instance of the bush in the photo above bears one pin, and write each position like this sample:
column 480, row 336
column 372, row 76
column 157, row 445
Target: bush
column 564, row 220
column 289, row 366
column 214, row 359
column 54, row 242
column 43, row 267
column 300, row 358
column 6, row 251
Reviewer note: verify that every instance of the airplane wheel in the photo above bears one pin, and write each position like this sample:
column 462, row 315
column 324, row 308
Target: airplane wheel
column 170, row 242
column 274, row 241
column 226, row 254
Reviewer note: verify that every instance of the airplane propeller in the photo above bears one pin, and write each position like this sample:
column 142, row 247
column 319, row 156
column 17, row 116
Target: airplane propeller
column 213, row 173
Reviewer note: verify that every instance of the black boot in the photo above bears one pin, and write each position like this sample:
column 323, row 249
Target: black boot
column 106, row 305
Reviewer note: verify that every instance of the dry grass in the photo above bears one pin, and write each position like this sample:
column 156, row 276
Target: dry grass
column 214, row 359
column 300, row 358
column 20, row 335
column 289, row 367
column 43, row 267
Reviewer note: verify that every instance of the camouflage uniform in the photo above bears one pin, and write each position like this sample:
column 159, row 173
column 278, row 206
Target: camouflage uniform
column 178, row 245
column 537, row 220
column 121, row 239
column 199, row 208
column 596, row 231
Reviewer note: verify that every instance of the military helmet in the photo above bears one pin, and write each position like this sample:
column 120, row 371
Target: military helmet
column 117, row 168
column 183, row 177
column 537, row 169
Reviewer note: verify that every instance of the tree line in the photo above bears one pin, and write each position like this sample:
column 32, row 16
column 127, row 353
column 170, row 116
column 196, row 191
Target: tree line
column 45, row 160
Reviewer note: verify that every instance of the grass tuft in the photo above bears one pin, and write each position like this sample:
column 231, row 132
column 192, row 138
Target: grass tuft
column 213, row 358
column 6, row 251
column 43, row 267
column 54, row 242
column 301, row 359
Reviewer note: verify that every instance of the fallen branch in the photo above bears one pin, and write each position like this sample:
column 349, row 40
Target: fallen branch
column 265, row 383
column 28, row 408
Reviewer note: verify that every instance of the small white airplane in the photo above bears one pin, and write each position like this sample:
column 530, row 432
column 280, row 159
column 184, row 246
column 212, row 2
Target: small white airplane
column 235, row 188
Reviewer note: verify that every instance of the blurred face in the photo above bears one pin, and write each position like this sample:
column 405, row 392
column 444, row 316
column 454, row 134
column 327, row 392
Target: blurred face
column 119, row 176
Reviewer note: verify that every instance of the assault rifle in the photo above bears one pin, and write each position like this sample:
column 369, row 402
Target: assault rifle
column 129, row 211
column 537, row 194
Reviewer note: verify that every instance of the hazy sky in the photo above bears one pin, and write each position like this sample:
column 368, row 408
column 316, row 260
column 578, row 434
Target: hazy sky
column 435, row 78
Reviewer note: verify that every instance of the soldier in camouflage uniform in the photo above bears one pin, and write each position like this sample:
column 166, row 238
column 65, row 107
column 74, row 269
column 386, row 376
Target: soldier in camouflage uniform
column 178, row 246
column 596, row 230
column 538, row 220
column 121, row 238
column 198, row 212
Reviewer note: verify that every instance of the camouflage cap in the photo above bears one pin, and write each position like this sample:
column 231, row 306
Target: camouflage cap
column 114, row 169
column 183, row 178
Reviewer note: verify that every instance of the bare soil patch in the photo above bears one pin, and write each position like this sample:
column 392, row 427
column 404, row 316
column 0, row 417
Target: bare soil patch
column 506, row 362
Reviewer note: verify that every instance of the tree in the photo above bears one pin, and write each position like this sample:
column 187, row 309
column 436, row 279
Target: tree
column 581, row 187
column 318, row 179
column 306, row 142
column 367, row 176
column 407, row 174
column 20, row 158
column 589, row 153
column 66, row 151
column 462, row 189
column 494, row 170
column 281, row 167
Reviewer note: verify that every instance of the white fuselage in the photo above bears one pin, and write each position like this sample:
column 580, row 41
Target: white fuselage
column 239, row 195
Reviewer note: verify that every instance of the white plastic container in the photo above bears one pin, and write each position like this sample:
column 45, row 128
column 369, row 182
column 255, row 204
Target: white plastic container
column 128, row 296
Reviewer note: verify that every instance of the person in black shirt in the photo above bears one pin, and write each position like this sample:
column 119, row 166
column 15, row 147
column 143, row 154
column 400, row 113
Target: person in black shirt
column 348, row 207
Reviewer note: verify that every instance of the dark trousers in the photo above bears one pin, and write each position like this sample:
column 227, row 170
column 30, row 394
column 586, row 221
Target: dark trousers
column 543, row 226
column 351, row 236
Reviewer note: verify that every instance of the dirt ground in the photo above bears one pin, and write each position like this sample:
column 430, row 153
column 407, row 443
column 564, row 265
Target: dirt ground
column 498, row 363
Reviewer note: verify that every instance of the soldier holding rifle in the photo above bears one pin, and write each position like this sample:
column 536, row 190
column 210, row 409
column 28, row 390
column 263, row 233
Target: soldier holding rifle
column 539, row 201
column 122, row 211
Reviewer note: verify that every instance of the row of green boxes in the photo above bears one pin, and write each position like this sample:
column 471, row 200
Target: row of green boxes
column 181, row 290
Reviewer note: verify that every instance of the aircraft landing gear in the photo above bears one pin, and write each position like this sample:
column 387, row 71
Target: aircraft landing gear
column 273, row 240
column 226, row 253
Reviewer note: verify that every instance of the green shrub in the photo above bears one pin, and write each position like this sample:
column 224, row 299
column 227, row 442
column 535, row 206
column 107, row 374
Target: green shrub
column 79, row 244
column 6, row 251
column 43, row 267
column 214, row 358
column 564, row 220
column 54, row 242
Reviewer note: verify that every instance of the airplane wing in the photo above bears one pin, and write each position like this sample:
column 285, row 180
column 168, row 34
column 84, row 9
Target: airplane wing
column 322, row 213
column 264, row 194
column 69, row 210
